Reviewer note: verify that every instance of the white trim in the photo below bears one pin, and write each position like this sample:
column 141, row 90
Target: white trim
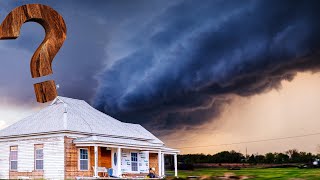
column 35, row 158
column 31, row 137
column 164, row 152
column 17, row 150
column 65, row 117
column 119, row 162
column 55, row 100
column 5, row 138
column 153, row 149
column 162, row 165
column 175, row 165
column 159, row 163
column 83, row 159
column 116, row 146
column 129, row 146
column 96, row 161
column 123, row 143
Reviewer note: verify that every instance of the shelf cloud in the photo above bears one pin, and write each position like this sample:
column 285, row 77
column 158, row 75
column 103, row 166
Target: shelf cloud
column 189, row 59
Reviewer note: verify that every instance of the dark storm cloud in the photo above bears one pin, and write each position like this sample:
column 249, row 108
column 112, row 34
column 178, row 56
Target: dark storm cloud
column 186, row 61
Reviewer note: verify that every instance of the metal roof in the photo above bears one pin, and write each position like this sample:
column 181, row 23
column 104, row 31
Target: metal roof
column 72, row 115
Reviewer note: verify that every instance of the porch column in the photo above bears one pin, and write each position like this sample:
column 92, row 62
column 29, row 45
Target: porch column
column 95, row 161
column 175, row 165
column 162, row 164
column 159, row 163
column 119, row 162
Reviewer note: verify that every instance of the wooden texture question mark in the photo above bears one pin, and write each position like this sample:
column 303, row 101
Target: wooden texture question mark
column 55, row 30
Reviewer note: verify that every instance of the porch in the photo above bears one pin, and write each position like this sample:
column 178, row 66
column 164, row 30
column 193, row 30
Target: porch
column 122, row 161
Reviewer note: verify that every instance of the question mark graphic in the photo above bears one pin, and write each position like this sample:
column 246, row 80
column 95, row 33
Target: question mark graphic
column 55, row 29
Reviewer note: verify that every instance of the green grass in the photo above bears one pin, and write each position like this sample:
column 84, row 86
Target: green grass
column 256, row 173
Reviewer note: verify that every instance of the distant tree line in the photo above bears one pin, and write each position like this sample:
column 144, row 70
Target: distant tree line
column 290, row 156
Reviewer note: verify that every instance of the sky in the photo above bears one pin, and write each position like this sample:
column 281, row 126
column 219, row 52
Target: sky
column 203, row 76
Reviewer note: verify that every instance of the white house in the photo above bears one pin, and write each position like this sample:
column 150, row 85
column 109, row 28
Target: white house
column 70, row 139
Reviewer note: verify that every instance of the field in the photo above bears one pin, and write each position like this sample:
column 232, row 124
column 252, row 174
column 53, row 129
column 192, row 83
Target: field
column 253, row 173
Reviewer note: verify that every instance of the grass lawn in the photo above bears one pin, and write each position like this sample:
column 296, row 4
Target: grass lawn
column 255, row 173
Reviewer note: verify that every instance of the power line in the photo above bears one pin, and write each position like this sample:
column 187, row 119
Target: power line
column 247, row 142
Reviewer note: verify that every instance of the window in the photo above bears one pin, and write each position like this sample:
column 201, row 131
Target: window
column 134, row 161
column 14, row 158
column 38, row 157
column 84, row 159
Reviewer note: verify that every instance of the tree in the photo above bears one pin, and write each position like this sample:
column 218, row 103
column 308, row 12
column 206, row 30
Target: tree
column 236, row 157
column 294, row 155
column 269, row 158
column 252, row 159
column 291, row 156
column 306, row 157
column 260, row 159
column 281, row 158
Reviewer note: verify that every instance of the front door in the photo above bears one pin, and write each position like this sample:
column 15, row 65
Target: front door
column 134, row 162
column 105, row 157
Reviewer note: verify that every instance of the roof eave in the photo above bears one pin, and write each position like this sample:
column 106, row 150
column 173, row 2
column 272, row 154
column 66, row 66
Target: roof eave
column 70, row 132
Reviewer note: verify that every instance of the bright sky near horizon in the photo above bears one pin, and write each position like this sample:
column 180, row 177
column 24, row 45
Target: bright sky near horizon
column 292, row 110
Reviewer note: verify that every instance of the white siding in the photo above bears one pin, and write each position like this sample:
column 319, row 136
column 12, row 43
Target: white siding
column 25, row 155
column 53, row 151
column 143, row 161
column 125, row 161
column 4, row 161
column 53, row 161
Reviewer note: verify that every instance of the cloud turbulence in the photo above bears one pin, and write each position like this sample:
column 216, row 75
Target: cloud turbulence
column 167, row 65
column 192, row 56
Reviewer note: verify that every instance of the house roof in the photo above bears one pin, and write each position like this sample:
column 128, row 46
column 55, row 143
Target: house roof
column 77, row 116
